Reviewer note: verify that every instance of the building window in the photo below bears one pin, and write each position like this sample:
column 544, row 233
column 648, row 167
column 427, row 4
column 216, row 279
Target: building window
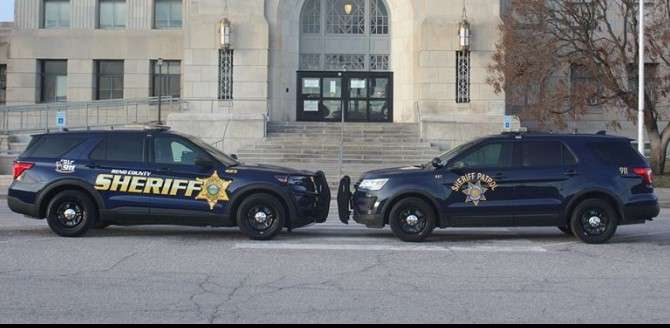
column 311, row 17
column 226, row 74
column 168, row 14
column 582, row 80
column 53, row 80
column 379, row 18
column 169, row 75
column 108, row 79
column 340, row 21
column 349, row 62
column 56, row 13
column 379, row 62
column 3, row 84
column 650, row 80
column 112, row 14
column 462, row 77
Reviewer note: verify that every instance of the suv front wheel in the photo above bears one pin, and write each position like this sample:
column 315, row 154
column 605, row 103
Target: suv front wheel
column 261, row 216
column 594, row 221
column 71, row 214
column 412, row 219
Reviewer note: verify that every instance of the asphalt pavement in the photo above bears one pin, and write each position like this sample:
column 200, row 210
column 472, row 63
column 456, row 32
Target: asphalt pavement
column 331, row 273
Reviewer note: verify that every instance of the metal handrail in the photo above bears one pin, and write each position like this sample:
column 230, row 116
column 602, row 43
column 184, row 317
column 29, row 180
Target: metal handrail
column 419, row 115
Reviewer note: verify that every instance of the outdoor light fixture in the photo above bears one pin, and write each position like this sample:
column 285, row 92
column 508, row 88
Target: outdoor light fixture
column 464, row 31
column 225, row 29
column 348, row 8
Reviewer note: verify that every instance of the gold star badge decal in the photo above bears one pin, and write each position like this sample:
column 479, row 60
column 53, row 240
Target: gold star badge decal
column 214, row 189
column 475, row 193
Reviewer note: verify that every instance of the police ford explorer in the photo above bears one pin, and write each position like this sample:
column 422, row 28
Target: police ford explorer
column 586, row 185
column 82, row 180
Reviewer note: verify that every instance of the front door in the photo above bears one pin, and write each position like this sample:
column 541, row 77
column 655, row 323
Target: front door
column 483, row 186
column 360, row 96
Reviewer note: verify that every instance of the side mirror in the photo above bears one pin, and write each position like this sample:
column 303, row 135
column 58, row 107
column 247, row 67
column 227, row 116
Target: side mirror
column 204, row 163
column 234, row 156
column 437, row 163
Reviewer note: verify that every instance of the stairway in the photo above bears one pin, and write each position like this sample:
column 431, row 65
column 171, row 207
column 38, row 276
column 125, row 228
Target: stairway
column 316, row 146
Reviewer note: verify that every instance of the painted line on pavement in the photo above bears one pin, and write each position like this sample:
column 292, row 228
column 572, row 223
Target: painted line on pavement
column 382, row 248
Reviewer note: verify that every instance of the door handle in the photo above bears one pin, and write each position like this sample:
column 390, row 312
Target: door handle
column 92, row 166
column 571, row 173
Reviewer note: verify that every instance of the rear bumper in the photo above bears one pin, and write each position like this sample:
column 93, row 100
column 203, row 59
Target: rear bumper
column 639, row 212
column 18, row 206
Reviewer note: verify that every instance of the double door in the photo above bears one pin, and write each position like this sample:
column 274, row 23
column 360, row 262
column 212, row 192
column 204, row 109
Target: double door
column 359, row 96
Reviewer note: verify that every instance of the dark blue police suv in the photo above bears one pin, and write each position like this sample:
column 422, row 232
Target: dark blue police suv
column 92, row 179
column 585, row 185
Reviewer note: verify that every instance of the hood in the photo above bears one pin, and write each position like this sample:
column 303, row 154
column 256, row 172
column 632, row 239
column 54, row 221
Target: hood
column 391, row 172
column 271, row 169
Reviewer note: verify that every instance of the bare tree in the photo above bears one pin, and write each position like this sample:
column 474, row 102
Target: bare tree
column 558, row 58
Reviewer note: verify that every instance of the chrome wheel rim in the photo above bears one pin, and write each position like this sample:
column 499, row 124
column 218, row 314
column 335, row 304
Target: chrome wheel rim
column 594, row 221
column 412, row 221
column 70, row 214
column 261, row 218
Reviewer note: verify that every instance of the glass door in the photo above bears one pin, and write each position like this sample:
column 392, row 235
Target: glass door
column 362, row 96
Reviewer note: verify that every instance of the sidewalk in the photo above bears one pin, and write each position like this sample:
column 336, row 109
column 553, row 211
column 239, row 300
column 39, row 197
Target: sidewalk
column 662, row 193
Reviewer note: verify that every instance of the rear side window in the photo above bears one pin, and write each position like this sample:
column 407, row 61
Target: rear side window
column 53, row 146
column 617, row 153
column 120, row 148
column 546, row 154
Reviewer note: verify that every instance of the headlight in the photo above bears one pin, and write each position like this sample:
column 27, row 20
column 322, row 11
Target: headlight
column 373, row 184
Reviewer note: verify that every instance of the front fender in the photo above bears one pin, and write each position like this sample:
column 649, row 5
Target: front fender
column 412, row 191
column 241, row 193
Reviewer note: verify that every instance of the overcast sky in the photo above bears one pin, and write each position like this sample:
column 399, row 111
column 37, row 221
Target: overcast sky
column 6, row 10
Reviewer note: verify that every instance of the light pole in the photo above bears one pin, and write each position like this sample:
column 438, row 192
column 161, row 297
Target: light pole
column 640, row 78
column 160, row 90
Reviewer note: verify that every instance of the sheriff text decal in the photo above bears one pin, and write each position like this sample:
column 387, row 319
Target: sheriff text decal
column 475, row 186
column 212, row 189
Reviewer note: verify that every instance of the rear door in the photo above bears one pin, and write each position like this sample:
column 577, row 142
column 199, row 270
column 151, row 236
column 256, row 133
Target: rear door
column 549, row 166
column 482, row 181
column 117, row 165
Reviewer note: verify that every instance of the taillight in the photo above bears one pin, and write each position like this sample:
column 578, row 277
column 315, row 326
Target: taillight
column 646, row 174
column 20, row 168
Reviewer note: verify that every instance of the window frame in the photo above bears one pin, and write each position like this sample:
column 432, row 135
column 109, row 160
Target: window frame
column 474, row 148
column 99, row 76
column 153, row 76
column 3, row 84
column 42, row 63
column 171, row 20
column 152, row 151
column 106, row 137
column 60, row 25
column 115, row 15
column 564, row 147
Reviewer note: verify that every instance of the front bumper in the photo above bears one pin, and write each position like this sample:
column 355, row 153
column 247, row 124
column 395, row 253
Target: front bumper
column 365, row 207
column 313, row 207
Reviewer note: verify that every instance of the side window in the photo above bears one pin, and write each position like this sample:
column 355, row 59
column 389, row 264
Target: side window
column 53, row 146
column 546, row 154
column 172, row 150
column 120, row 148
column 490, row 155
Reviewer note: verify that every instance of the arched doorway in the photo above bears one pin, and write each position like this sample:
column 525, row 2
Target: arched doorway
column 345, row 48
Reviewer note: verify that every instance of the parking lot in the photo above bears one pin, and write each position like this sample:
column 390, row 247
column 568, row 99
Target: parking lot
column 329, row 274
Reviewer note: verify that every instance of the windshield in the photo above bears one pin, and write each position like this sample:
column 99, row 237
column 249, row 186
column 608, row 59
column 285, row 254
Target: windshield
column 219, row 155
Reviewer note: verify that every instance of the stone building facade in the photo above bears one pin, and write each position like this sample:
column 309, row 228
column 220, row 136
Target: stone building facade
column 379, row 61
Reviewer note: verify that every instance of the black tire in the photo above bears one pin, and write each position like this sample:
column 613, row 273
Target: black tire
column 59, row 219
column 566, row 230
column 420, row 211
column 594, row 221
column 271, row 217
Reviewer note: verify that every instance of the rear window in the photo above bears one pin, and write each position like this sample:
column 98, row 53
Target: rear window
column 120, row 148
column 617, row 153
column 546, row 154
column 53, row 146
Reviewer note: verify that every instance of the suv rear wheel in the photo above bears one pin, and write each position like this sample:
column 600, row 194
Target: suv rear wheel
column 261, row 216
column 71, row 214
column 594, row 221
column 412, row 219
